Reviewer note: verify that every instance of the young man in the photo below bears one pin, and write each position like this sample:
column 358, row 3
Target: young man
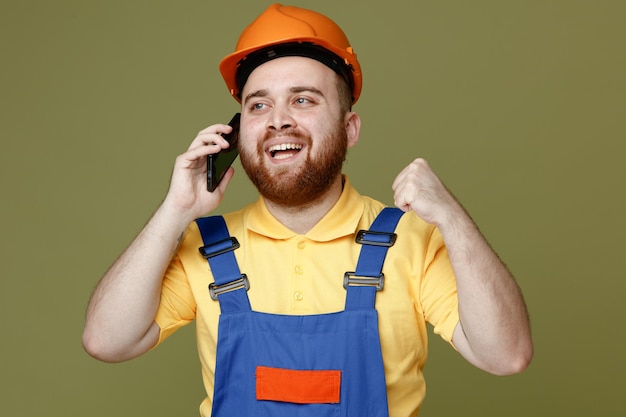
column 298, row 331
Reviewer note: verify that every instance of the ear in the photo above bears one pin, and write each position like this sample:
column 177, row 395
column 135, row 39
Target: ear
column 353, row 128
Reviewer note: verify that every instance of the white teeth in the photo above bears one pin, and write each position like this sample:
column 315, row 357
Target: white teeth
column 284, row 147
column 273, row 150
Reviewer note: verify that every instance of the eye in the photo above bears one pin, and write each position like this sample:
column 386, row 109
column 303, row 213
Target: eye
column 258, row 106
column 303, row 101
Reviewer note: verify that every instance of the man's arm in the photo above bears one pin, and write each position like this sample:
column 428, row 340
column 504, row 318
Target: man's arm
column 120, row 317
column 494, row 330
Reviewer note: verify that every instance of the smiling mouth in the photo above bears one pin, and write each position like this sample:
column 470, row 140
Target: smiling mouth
column 284, row 150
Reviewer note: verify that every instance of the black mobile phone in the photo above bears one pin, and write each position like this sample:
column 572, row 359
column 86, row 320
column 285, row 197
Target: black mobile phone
column 218, row 163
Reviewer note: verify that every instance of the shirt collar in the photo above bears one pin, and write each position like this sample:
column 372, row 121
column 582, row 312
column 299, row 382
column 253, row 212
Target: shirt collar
column 341, row 220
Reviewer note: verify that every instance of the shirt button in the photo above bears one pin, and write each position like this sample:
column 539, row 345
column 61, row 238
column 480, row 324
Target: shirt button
column 299, row 270
column 301, row 244
column 298, row 296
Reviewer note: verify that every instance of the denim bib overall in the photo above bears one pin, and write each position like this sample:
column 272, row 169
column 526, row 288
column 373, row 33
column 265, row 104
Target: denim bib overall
column 305, row 366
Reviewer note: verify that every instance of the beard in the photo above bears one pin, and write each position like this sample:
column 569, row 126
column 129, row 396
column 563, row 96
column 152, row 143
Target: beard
column 301, row 186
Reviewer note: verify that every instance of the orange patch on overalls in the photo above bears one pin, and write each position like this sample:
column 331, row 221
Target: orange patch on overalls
column 298, row 386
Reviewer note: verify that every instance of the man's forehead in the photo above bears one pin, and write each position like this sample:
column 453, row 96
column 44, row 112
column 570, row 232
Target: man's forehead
column 289, row 72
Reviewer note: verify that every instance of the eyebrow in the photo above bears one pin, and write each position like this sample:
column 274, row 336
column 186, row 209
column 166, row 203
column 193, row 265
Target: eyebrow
column 304, row 89
column 299, row 89
column 259, row 93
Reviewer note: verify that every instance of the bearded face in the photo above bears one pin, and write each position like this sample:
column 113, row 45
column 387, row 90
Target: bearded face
column 299, row 184
column 295, row 130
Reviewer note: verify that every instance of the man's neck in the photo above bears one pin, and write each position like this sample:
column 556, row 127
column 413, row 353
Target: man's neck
column 303, row 218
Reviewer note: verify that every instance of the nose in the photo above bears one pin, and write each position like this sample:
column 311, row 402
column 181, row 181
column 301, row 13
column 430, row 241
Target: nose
column 280, row 119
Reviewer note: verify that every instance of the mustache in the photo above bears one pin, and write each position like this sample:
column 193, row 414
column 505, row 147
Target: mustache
column 290, row 132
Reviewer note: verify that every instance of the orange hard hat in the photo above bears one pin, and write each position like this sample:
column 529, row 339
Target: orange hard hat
column 291, row 31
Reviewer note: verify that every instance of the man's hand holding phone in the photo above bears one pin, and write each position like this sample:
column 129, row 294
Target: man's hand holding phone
column 187, row 196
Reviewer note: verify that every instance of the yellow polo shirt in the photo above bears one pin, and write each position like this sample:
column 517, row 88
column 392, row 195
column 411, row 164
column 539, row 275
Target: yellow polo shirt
column 303, row 274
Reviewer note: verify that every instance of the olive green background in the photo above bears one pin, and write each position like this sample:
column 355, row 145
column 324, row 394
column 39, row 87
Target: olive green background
column 518, row 105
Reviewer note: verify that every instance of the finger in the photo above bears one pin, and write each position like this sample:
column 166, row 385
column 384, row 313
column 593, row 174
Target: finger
column 209, row 139
column 404, row 207
column 217, row 128
column 402, row 198
column 199, row 154
column 211, row 135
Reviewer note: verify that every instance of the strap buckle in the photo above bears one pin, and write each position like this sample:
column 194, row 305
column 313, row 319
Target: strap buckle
column 350, row 278
column 219, row 247
column 369, row 237
column 241, row 282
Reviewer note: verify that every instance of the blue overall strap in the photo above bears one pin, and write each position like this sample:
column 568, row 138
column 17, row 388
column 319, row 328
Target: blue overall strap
column 230, row 284
column 362, row 284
